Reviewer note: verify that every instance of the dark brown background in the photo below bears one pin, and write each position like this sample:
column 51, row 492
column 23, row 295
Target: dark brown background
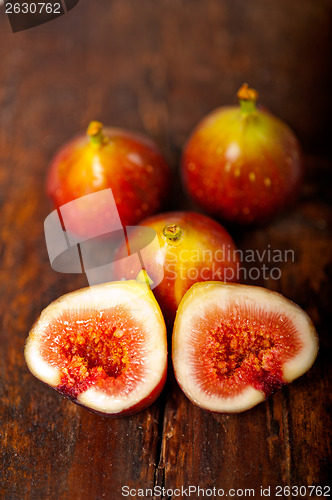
column 158, row 67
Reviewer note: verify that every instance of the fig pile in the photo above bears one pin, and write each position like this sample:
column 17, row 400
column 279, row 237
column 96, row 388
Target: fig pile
column 233, row 345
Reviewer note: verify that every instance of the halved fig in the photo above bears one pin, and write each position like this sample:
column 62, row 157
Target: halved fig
column 235, row 345
column 104, row 347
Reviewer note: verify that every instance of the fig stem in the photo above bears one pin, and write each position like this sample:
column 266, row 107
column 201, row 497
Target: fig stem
column 143, row 277
column 247, row 99
column 173, row 234
column 95, row 132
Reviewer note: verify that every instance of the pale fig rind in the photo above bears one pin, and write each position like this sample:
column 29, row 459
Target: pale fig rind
column 189, row 360
column 139, row 302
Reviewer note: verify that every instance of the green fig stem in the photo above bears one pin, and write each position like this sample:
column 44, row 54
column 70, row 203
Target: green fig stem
column 173, row 234
column 95, row 132
column 247, row 99
column 143, row 277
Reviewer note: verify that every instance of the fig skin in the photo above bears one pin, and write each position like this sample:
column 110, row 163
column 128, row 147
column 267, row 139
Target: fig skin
column 127, row 162
column 280, row 345
column 191, row 250
column 241, row 163
column 90, row 385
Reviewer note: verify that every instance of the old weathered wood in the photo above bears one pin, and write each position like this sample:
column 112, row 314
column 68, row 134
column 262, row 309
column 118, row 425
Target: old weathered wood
column 158, row 67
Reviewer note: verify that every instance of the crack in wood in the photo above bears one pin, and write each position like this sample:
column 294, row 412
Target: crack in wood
column 159, row 473
column 287, row 431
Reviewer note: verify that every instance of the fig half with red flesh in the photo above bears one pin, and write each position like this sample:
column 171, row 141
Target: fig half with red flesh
column 235, row 345
column 104, row 347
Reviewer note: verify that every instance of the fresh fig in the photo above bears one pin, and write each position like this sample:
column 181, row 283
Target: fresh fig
column 104, row 347
column 235, row 345
column 128, row 163
column 192, row 248
column 241, row 163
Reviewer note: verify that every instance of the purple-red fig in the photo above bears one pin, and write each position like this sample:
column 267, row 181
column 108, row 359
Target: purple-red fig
column 241, row 163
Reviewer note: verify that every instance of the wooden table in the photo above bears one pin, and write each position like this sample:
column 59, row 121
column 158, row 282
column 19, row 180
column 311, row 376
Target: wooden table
column 158, row 67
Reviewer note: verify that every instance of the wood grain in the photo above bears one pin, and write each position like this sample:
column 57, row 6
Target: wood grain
column 158, row 67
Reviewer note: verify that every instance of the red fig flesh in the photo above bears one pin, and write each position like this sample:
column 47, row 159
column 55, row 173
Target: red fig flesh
column 104, row 347
column 235, row 345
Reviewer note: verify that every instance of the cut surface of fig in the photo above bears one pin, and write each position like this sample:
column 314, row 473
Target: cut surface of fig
column 235, row 345
column 104, row 347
